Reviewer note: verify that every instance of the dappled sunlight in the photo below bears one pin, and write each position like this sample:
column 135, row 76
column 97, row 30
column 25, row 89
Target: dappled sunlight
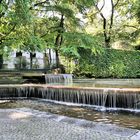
column 19, row 115
column 4, row 101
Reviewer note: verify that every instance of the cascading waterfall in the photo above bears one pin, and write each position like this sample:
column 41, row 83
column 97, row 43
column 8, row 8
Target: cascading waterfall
column 106, row 97
column 67, row 78
column 99, row 97
column 58, row 78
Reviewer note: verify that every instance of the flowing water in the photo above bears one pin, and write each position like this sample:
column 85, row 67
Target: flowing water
column 58, row 78
column 125, row 119
column 108, row 101
column 100, row 83
column 100, row 97
column 113, row 93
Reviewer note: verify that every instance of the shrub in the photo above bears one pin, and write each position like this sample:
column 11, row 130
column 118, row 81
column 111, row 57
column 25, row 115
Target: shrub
column 109, row 63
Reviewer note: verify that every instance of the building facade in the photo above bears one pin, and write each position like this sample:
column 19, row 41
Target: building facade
column 26, row 60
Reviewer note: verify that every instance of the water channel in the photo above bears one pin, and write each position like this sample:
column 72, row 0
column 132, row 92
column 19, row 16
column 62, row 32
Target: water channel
column 125, row 119
column 46, row 98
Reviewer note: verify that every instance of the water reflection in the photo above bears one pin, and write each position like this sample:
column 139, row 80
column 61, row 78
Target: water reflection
column 97, row 84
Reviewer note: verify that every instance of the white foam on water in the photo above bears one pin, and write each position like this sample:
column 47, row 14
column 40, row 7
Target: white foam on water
column 99, row 108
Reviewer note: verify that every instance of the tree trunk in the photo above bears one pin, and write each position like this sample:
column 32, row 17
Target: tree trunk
column 19, row 59
column 50, row 57
column 31, row 60
column 58, row 40
column 1, row 61
column 57, row 58
column 107, row 31
column 107, row 42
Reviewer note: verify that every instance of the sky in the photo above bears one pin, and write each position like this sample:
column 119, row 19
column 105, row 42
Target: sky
column 107, row 8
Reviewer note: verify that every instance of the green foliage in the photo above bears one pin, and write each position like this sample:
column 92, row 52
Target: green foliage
column 136, row 8
column 3, row 8
column 34, row 43
column 22, row 11
column 74, row 41
column 109, row 63
column 34, row 25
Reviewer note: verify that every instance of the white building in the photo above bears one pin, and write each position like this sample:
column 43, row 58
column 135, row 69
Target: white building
column 23, row 60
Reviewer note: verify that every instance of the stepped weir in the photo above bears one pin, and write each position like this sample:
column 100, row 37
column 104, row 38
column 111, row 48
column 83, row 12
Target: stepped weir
column 127, row 98
column 58, row 78
column 106, row 97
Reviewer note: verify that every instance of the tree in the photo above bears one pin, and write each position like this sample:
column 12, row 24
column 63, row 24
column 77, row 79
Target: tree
column 16, row 26
column 137, row 9
column 7, row 26
column 34, row 25
column 104, row 11
column 63, row 17
column 126, row 24
column 118, row 20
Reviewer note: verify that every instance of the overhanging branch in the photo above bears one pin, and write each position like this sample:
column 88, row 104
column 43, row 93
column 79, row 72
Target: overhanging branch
column 39, row 3
column 6, row 34
column 116, row 3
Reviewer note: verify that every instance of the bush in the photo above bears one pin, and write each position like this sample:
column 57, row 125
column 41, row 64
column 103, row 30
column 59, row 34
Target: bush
column 109, row 63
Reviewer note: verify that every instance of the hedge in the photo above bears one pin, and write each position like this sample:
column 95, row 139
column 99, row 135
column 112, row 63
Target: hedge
column 109, row 63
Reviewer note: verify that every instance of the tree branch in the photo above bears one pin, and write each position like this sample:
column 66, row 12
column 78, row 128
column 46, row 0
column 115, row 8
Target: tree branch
column 116, row 3
column 0, row 1
column 131, row 26
column 102, row 5
column 6, row 34
column 99, row 10
column 112, row 15
column 104, row 21
column 48, row 31
column 39, row 3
